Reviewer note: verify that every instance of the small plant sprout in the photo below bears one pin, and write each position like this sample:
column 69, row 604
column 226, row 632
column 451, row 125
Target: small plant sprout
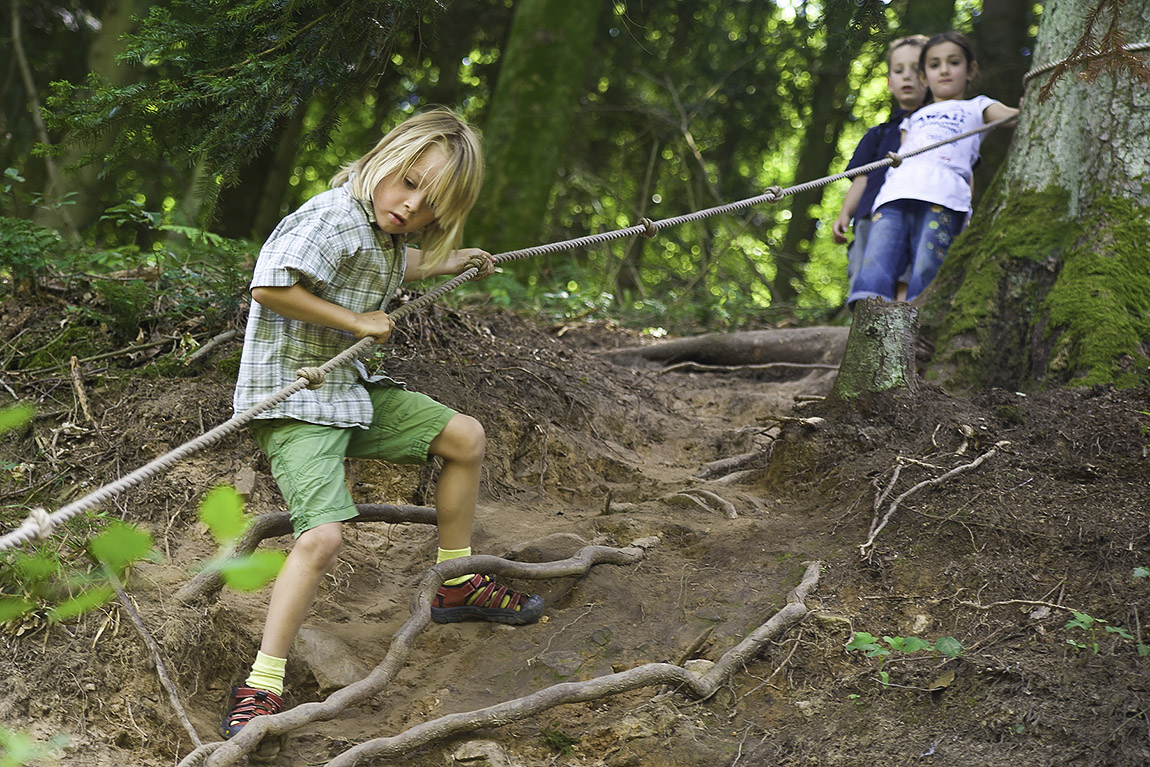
column 869, row 645
column 1093, row 627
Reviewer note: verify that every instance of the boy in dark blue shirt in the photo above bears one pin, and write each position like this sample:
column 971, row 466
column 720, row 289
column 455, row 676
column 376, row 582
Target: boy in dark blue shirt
column 908, row 90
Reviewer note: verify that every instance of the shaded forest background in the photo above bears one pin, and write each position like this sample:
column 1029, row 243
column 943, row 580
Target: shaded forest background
column 168, row 118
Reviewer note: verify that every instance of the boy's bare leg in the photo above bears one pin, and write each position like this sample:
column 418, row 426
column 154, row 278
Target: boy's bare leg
column 295, row 588
column 900, row 291
column 462, row 445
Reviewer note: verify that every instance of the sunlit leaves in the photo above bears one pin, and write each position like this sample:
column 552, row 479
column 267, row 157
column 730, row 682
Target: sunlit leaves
column 120, row 545
column 15, row 416
column 222, row 511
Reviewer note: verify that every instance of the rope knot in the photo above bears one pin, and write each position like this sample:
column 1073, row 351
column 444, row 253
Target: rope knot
column 773, row 193
column 43, row 521
column 895, row 159
column 314, row 376
column 650, row 228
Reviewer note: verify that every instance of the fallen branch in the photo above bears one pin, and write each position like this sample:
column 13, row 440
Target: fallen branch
column 877, row 525
column 700, row 367
column 206, row 349
column 812, row 345
column 207, row 583
column 157, row 657
column 249, row 738
column 80, row 391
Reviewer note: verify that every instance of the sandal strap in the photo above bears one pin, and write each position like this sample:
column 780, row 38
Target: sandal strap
column 251, row 702
column 492, row 594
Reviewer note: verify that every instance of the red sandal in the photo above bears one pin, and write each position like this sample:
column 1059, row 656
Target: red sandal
column 483, row 599
column 247, row 704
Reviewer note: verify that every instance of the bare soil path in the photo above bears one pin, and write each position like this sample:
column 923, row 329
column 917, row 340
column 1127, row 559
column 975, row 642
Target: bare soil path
column 739, row 487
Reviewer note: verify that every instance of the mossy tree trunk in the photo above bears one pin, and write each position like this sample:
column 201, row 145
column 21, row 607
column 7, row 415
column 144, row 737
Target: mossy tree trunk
column 540, row 80
column 1050, row 285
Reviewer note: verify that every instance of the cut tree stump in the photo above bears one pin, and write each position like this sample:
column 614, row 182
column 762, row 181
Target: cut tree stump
column 880, row 351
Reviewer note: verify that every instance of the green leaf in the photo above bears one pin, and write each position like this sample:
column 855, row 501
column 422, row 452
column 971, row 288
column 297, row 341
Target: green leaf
column 949, row 646
column 914, row 644
column 81, row 604
column 120, row 545
column 1142, row 572
column 862, row 641
column 1080, row 621
column 223, row 512
column 254, row 571
column 1143, row 650
column 36, row 567
column 1119, row 631
column 15, row 416
column 13, row 607
column 884, row 678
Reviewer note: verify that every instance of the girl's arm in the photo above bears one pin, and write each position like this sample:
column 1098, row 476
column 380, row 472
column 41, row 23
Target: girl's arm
column 997, row 111
column 298, row 303
column 850, row 205
column 457, row 261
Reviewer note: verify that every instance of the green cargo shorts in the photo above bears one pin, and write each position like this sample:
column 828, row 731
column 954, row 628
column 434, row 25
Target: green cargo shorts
column 307, row 458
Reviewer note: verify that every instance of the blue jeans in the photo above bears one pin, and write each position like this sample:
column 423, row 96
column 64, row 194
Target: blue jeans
column 904, row 234
column 856, row 249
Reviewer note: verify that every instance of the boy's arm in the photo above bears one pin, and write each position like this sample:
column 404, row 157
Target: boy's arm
column 850, row 205
column 298, row 303
column 457, row 261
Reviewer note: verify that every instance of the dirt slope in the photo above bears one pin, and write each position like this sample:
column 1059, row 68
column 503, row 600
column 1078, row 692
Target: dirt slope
column 584, row 451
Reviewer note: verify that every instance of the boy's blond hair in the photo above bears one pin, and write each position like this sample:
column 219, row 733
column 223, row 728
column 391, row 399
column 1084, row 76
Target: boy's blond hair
column 918, row 41
column 451, row 193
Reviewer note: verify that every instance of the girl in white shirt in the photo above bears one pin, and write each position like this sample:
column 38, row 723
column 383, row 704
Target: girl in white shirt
column 925, row 201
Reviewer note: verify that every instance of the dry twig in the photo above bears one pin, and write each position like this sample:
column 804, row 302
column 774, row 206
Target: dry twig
column 877, row 525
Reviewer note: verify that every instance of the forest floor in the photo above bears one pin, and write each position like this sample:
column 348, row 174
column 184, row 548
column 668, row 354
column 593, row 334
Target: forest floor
column 1049, row 517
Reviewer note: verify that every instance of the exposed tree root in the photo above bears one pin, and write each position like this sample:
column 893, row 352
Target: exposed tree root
column 249, row 738
column 705, row 499
column 877, row 523
column 652, row 674
column 724, row 466
column 206, row 585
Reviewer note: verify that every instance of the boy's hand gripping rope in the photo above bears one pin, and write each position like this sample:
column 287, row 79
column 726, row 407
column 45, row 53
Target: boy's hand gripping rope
column 39, row 524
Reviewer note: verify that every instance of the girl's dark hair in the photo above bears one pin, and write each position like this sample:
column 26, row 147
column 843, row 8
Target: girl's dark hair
column 949, row 36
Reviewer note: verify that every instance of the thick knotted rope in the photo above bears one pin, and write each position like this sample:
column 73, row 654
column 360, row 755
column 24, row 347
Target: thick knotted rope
column 39, row 524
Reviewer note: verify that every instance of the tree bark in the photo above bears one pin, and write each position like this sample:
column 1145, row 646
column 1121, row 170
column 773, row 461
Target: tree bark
column 1000, row 37
column 880, row 351
column 1050, row 284
column 531, row 114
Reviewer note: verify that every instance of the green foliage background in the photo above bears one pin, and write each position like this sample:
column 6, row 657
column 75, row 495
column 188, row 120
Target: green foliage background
column 224, row 117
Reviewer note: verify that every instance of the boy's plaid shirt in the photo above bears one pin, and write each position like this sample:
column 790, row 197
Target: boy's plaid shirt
column 332, row 248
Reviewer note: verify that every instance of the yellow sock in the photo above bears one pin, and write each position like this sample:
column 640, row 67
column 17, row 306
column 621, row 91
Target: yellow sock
column 445, row 554
column 267, row 674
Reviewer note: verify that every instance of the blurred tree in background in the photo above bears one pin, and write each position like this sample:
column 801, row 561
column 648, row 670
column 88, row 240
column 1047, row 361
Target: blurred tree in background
column 598, row 113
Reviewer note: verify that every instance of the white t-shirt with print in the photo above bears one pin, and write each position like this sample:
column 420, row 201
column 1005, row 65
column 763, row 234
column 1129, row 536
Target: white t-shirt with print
column 942, row 175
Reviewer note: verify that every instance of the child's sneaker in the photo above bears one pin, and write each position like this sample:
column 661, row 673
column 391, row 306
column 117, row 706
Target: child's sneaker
column 484, row 599
column 247, row 704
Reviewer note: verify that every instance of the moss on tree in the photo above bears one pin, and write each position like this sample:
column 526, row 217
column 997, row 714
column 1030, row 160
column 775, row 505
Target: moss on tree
column 1032, row 296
